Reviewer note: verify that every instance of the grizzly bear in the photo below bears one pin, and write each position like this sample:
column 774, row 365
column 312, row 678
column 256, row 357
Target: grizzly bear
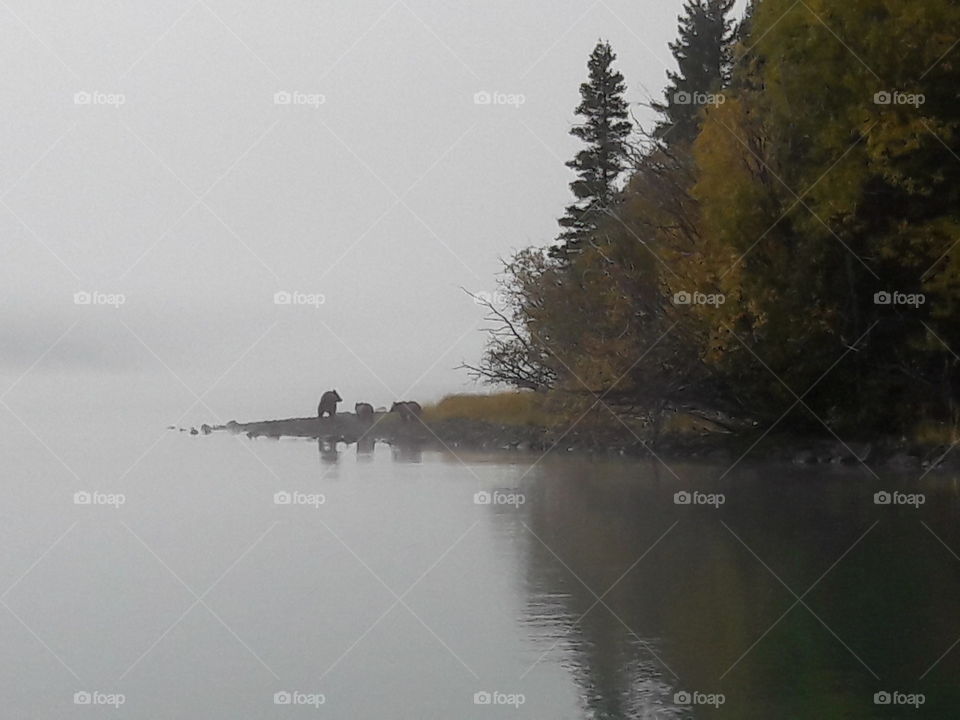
column 328, row 403
column 409, row 410
column 364, row 411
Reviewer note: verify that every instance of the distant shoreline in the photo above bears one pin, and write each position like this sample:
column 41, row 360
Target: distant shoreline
column 452, row 433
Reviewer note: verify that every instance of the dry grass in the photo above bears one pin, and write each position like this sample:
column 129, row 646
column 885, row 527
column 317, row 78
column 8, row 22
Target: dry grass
column 930, row 433
column 506, row 408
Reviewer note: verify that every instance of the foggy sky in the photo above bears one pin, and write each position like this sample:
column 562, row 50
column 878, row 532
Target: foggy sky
column 200, row 197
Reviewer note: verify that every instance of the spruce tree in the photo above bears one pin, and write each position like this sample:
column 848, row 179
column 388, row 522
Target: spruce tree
column 703, row 52
column 604, row 130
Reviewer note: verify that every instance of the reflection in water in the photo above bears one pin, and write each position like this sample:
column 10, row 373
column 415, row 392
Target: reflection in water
column 407, row 452
column 694, row 598
column 328, row 451
column 700, row 612
column 632, row 599
column 597, row 534
column 365, row 447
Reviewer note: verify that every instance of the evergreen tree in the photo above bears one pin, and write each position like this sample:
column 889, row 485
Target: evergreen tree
column 848, row 293
column 703, row 52
column 604, row 129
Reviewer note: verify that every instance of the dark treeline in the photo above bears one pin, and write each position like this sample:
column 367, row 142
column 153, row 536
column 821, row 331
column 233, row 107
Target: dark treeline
column 783, row 237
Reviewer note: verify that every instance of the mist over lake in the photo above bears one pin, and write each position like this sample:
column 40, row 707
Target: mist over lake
column 407, row 359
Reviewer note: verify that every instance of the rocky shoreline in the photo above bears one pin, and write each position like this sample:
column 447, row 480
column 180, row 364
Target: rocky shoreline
column 889, row 454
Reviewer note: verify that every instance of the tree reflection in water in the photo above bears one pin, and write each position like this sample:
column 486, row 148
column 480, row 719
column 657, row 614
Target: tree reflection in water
column 687, row 604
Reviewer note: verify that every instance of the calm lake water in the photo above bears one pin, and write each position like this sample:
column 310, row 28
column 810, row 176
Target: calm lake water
column 389, row 588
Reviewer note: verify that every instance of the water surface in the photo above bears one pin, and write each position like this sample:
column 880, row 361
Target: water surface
column 587, row 593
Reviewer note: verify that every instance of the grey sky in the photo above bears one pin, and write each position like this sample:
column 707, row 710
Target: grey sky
column 200, row 197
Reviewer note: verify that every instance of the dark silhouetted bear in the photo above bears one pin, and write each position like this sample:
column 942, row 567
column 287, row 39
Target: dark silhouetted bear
column 328, row 403
column 364, row 411
column 408, row 410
